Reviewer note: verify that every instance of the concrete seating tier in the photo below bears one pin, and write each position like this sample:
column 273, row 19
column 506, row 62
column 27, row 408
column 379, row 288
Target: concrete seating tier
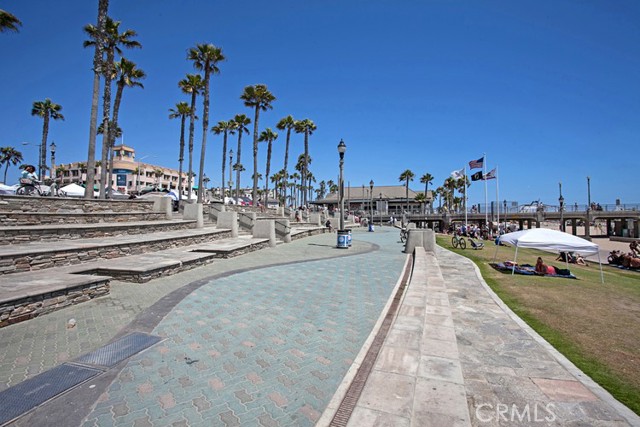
column 34, row 233
column 72, row 205
column 298, row 231
column 26, row 297
column 41, row 255
column 12, row 218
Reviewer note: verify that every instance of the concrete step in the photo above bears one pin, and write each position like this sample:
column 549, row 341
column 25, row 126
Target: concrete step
column 26, row 295
column 35, row 256
column 22, row 218
column 34, row 233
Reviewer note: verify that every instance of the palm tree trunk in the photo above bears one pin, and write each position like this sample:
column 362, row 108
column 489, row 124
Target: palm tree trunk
column 103, row 6
column 112, row 135
column 106, row 109
column 238, row 163
column 254, row 192
column 181, row 158
column 224, row 156
column 305, row 172
column 266, row 180
column 205, row 124
column 43, row 146
column 191, row 130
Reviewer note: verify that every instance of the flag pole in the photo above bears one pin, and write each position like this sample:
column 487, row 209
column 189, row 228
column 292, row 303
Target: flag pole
column 497, row 202
column 486, row 203
column 464, row 187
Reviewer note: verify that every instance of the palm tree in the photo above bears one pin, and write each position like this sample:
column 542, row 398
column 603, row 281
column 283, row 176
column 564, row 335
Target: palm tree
column 295, row 177
column 426, row 179
column 103, row 5
column 158, row 174
column 205, row 58
column 268, row 136
column 406, row 176
column 128, row 75
column 421, row 198
column 46, row 110
column 310, row 179
column 8, row 22
column 322, row 189
column 182, row 110
column 224, row 128
column 440, row 193
column 111, row 39
column 241, row 122
column 259, row 98
column 307, row 127
column 9, row 156
column 193, row 84
column 287, row 123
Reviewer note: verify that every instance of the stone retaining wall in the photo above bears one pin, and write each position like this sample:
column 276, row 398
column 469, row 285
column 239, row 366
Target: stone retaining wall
column 45, row 218
column 68, row 204
column 20, row 263
column 28, row 307
column 19, row 235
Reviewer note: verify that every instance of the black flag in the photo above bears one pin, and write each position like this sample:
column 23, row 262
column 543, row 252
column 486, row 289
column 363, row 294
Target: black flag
column 476, row 176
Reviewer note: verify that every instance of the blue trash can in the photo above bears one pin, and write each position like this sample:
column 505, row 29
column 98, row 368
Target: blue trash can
column 343, row 239
column 349, row 237
column 371, row 226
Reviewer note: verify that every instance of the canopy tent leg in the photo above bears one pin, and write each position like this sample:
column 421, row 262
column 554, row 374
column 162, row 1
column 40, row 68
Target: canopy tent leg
column 515, row 261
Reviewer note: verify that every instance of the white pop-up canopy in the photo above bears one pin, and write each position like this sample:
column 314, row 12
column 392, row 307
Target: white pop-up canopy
column 551, row 240
column 73, row 190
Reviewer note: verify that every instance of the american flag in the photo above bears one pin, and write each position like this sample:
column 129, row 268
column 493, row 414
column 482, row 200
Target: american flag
column 490, row 175
column 476, row 164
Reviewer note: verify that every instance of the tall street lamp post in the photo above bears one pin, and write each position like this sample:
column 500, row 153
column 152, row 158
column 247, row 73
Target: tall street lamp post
column 587, row 232
column 342, row 148
column 230, row 179
column 371, row 205
column 380, row 207
column 53, row 161
column 588, row 194
column 505, row 216
column 561, row 200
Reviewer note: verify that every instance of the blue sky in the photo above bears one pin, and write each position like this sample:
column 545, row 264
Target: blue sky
column 549, row 90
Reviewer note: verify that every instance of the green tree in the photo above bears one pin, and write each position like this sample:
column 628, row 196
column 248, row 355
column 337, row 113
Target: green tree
column 205, row 58
column 46, row 110
column 287, row 123
column 192, row 85
column 128, row 76
column 9, row 156
column 111, row 40
column 8, row 22
column 181, row 111
column 426, row 179
column 259, row 98
column 267, row 136
column 224, row 128
column 307, row 127
column 241, row 122
column 406, row 176
column 103, row 5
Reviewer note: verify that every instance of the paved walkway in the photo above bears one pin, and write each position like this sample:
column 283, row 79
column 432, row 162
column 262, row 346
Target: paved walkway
column 266, row 339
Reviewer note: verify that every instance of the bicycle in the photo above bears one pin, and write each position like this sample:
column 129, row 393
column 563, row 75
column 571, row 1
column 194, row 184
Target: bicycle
column 458, row 241
column 403, row 235
column 29, row 187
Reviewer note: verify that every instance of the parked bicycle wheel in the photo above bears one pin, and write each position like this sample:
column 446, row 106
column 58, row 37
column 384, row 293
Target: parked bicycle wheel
column 454, row 241
column 462, row 243
column 28, row 190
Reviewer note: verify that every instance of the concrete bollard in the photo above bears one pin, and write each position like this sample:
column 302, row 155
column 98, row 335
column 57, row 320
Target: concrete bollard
column 429, row 240
column 414, row 239
column 164, row 205
column 283, row 229
column 194, row 211
column 228, row 220
column 265, row 229
column 315, row 219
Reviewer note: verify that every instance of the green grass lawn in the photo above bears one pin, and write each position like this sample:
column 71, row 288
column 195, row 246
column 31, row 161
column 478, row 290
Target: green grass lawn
column 595, row 325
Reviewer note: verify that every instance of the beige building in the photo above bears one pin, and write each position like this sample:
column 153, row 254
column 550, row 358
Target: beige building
column 129, row 175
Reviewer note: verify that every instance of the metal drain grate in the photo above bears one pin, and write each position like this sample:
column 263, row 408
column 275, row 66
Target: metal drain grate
column 33, row 392
column 114, row 353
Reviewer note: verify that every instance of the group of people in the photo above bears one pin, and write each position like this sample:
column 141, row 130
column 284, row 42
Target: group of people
column 571, row 258
column 629, row 260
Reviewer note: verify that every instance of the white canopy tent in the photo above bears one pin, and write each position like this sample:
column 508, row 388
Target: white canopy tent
column 72, row 190
column 551, row 240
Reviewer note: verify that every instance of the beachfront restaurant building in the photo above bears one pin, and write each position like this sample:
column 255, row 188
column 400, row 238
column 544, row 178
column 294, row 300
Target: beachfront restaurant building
column 129, row 175
column 386, row 200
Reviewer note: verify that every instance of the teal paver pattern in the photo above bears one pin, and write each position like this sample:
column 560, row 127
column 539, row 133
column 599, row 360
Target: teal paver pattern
column 265, row 347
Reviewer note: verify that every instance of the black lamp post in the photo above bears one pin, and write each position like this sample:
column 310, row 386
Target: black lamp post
column 53, row 161
column 342, row 148
column 380, row 206
column 561, row 200
column 230, row 174
column 588, row 194
column 371, row 203
column 504, row 204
